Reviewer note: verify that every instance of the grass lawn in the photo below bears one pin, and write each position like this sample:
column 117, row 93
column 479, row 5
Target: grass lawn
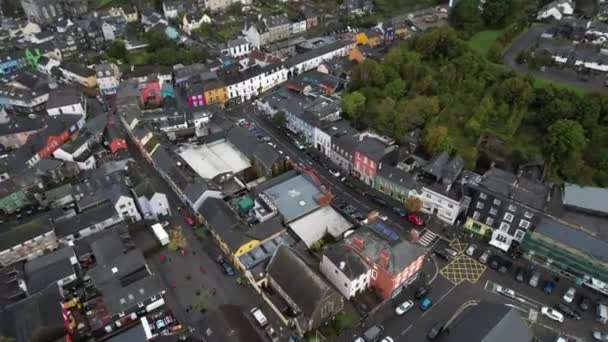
column 540, row 83
column 483, row 40
column 141, row 57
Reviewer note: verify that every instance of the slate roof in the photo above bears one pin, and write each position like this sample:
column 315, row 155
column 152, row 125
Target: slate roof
column 266, row 155
column 78, row 69
column 490, row 322
column 397, row 176
column 48, row 269
column 87, row 218
column 285, row 266
column 354, row 266
column 308, row 55
column 372, row 148
column 29, row 316
column 228, row 324
column 223, row 220
column 12, row 234
column 528, row 192
column 573, row 238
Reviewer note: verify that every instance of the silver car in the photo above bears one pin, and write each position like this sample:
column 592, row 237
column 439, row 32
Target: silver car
column 534, row 279
column 484, row 257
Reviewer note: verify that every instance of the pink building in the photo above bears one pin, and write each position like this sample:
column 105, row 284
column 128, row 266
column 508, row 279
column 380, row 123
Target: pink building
column 367, row 156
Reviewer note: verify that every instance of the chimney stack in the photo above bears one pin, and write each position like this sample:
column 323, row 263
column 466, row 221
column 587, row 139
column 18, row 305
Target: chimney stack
column 385, row 259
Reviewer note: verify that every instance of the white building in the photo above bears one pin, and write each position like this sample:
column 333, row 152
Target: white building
column 312, row 59
column 152, row 204
column 345, row 270
column 193, row 21
column 236, row 48
column 124, row 203
column 297, row 27
column 66, row 100
column 108, row 78
column 556, row 10
column 246, row 85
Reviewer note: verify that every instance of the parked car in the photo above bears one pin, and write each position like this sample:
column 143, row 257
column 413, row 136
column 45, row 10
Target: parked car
column 378, row 201
column 373, row 333
column 534, row 279
column 271, row 333
column 435, row 331
column 520, row 274
column 471, row 250
column 189, row 220
column 227, row 269
column 399, row 212
column 387, row 339
column 584, row 303
column 441, row 254
column 505, row 292
column 600, row 335
column 404, row 307
column 569, row 295
column 552, row 314
column 425, row 303
column 421, row 292
column 548, row 287
column 451, row 252
column 259, row 316
column 484, row 257
column 415, row 219
column 334, row 173
column 568, row 311
column 495, row 262
column 382, row 216
column 504, row 266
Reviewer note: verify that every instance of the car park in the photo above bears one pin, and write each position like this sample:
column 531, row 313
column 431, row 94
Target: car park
column 425, row 303
column 471, row 250
column 404, row 307
column 548, row 287
column 421, row 292
column 435, row 331
column 569, row 295
column 415, row 219
column 568, row 311
column 552, row 314
column 534, row 279
column 505, row 292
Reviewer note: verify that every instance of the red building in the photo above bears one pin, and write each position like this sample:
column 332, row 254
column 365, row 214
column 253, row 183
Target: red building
column 394, row 261
column 366, row 158
column 196, row 95
column 151, row 94
column 116, row 140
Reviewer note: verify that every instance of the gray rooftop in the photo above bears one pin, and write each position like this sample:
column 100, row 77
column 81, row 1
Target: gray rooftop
column 87, row 218
column 525, row 191
column 294, row 197
column 573, row 238
column 340, row 253
column 490, row 322
column 49, row 268
column 586, row 198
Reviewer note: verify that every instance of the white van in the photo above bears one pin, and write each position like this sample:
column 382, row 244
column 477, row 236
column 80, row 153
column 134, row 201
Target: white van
column 259, row 317
column 601, row 313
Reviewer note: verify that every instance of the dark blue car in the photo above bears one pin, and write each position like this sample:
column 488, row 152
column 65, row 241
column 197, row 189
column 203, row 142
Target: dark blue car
column 549, row 286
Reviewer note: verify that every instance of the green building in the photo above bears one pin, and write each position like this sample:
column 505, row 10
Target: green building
column 394, row 182
column 565, row 248
column 13, row 202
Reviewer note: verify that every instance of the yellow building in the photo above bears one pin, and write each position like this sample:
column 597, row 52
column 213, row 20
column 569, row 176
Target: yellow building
column 370, row 38
column 234, row 236
column 215, row 92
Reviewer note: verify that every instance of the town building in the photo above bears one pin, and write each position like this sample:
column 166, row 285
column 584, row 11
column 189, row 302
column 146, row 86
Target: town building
column 153, row 204
column 108, row 77
column 194, row 20
column 394, row 262
column 346, row 270
column 46, row 12
column 236, row 48
column 503, row 206
column 368, row 155
column 556, row 10
column 585, row 199
column 27, row 240
column 310, row 305
column 66, row 100
column 568, row 249
column 77, row 73
column 268, row 30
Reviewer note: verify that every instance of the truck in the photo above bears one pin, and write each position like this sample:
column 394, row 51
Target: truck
column 161, row 234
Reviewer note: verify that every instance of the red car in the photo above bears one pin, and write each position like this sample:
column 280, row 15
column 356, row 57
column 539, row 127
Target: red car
column 189, row 220
column 415, row 219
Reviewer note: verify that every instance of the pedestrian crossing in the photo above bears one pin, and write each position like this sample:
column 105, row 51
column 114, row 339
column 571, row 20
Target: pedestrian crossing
column 427, row 238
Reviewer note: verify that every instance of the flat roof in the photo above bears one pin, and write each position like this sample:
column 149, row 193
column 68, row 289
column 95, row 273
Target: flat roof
column 587, row 198
column 215, row 158
column 317, row 224
column 294, row 197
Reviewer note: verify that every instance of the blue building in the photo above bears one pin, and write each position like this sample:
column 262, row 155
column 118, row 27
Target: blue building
column 11, row 62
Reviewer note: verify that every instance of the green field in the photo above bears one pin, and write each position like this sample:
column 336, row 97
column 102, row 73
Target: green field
column 483, row 40
column 540, row 83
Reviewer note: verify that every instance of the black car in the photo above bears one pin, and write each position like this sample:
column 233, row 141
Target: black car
column 441, row 255
column 568, row 311
column 504, row 266
column 495, row 262
column 584, row 304
column 399, row 212
column 435, row 331
column 378, row 201
column 520, row 275
column 421, row 292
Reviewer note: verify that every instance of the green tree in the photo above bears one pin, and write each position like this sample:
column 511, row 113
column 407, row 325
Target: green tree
column 368, row 73
column 413, row 204
column 437, row 140
column 466, row 15
column 177, row 240
column 279, row 119
column 157, row 40
column 395, row 89
column 118, row 50
column 353, row 105
column 415, row 113
column 496, row 13
column 564, row 139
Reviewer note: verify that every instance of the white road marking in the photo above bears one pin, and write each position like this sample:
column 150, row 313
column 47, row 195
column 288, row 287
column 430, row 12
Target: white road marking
column 438, row 301
column 434, row 261
column 406, row 330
